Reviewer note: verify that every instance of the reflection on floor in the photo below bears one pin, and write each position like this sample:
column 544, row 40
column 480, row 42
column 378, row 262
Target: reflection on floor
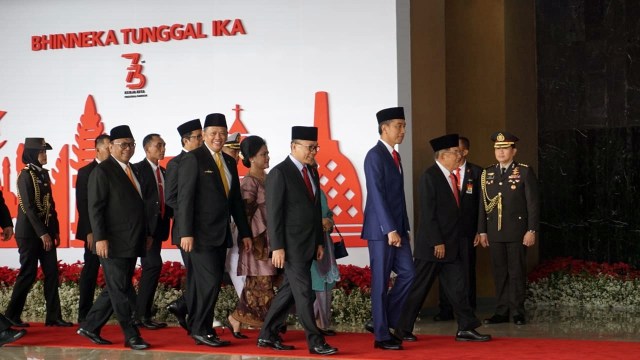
column 573, row 323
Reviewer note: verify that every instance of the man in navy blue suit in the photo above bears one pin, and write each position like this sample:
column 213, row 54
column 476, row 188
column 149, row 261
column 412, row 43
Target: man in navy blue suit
column 386, row 228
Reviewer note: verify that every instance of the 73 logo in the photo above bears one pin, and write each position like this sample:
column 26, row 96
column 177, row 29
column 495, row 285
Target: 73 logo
column 135, row 79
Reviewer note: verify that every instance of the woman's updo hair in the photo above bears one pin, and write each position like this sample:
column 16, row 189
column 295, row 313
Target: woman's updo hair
column 249, row 147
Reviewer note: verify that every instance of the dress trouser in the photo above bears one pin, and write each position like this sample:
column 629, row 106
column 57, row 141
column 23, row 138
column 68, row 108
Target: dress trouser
column 387, row 305
column 151, row 269
column 31, row 251
column 452, row 278
column 295, row 290
column 468, row 256
column 508, row 260
column 87, row 283
column 204, row 278
column 118, row 296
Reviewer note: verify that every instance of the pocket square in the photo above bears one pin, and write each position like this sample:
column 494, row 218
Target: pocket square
column 208, row 171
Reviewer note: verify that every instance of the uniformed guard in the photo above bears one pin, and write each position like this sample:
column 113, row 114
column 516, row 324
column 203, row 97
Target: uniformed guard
column 37, row 235
column 508, row 221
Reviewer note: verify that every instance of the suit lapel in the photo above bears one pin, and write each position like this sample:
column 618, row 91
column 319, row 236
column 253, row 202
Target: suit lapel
column 295, row 174
column 211, row 162
column 123, row 178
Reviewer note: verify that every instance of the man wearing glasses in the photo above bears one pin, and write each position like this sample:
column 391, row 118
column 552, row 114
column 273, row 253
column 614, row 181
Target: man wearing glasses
column 208, row 194
column 295, row 232
column 117, row 216
column 191, row 139
column 438, row 245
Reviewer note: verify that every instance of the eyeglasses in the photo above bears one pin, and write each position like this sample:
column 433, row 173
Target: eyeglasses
column 311, row 148
column 199, row 137
column 455, row 152
column 125, row 145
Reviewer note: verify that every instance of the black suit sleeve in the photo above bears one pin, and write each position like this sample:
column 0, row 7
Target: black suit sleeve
column 275, row 193
column 428, row 203
column 98, row 195
column 5, row 216
column 187, row 182
column 82, row 203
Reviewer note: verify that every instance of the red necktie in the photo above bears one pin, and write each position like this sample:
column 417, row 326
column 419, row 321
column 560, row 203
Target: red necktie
column 307, row 182
column 454, row 188
column 396, row 158
column 457, row 172
column 160, row 191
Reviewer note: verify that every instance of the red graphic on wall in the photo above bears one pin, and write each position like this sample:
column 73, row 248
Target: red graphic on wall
column 338, row 178
column 3, row 142
column 135, row 72
column 238, row 127
column 88, row 129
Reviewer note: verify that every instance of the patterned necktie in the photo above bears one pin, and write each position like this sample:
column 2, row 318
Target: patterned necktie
column 457, row 173
column 396, row 158
column 160, row 191
column 454, row 188
column 307, row 182
column 223, row 175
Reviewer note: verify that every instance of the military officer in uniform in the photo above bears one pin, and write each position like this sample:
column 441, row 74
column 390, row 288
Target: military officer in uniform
column 507, row 223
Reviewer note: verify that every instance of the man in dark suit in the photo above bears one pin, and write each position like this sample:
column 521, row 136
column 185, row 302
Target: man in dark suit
column 89, row 273
column 386, row 228
column 152, row 181
column 208, row 194
column 468, row 176
column 439, row 244
column 117, row 215
column 508, row 221
column 191, row 139
column 7, row 334
column 295, row 233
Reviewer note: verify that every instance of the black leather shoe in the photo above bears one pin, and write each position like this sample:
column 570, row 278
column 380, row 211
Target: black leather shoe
column 10, row 335
column 59, row 323
column 387, row 345
column 18, row 323
column 324, row 349
column 95, row 338
column 327, row 332
column 471, row 335
column 443, row 317
column 519, row 320
column 179, row 313
column 369, row 326
column 496, row 319
column 405, row 336
column 276, row 345
column 136, row 343
column 238, row 335
column 210, row 340
column 150, row 324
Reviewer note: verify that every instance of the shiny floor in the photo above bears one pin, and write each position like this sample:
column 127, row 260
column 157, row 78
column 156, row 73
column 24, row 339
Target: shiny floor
column 571, row 323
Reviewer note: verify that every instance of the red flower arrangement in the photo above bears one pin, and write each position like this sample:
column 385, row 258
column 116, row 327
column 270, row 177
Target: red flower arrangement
column 354, row 277
column 173, row 275
column 569, row 265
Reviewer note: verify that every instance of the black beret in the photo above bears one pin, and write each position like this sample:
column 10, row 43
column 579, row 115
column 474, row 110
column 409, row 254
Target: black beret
column 189, row 126
column 120, row 132
column 390, row 114
column 215, row 119
column 444, row 142
column 36, row 144
column 304, row 133
column 503, row 139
